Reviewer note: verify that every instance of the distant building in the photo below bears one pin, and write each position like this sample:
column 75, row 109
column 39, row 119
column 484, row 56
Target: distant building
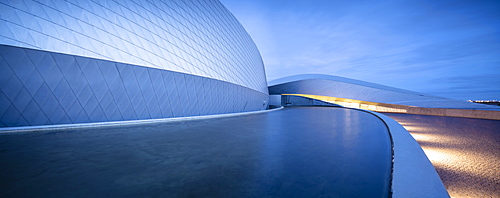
column 370, row 96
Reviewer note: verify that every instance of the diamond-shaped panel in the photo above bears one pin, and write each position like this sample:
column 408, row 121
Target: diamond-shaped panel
column 22, row 99
column 191, row 92
column 140, row 107
column 68, row 64
column 165, row 108
column 181, row 86
column 128, row 113
column 112, row 112
column 105, row 103
column 154, row 110
column 94, row 78
column 12, row 87
column 34, row 82
column 65, row 62
column 40, row 119
column 50, row 72
column 24, row 69
column 62, row 89
column 42, row 94
column 6, row 73
column 85, row 95
column 173, row 96
column 129, row 80
column 98, row 115
column 147, row 91
column 109, row 71
column 50, row 105
column 7, row 32
column 91, row 105
column 82, row 117
column 121, row 98
column 4, row 103
column 59, row 116
column 31, row 111
column 74, row 111
column 125, row 92
column 141, row 74
column 11, row 116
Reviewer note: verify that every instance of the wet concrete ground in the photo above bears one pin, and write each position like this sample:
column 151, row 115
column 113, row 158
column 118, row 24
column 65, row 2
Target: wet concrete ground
column 295, row 152
column 464, row 151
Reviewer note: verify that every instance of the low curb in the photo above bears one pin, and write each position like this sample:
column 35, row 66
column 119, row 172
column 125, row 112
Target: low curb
column 123, row 123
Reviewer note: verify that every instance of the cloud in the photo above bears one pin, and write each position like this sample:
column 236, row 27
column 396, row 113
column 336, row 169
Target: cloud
column 423, row 46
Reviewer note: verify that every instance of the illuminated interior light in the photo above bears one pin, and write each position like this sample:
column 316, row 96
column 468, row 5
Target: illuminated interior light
column 358, row 104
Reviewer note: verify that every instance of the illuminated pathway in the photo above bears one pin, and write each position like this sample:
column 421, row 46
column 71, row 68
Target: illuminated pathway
column 294, row 152
column 464, row 151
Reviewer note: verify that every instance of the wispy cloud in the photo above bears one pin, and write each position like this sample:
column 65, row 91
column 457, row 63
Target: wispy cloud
column 416, row 45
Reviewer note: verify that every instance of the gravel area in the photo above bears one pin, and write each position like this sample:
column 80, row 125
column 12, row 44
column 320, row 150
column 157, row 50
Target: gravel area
column 464, row 151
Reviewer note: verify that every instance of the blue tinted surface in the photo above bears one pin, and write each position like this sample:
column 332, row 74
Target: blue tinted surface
column 295, row 152
column 201, row 38
column 65, row 89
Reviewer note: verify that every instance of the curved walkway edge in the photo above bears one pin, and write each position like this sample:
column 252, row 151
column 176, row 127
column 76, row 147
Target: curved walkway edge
column 413, row 173
column 123, row 123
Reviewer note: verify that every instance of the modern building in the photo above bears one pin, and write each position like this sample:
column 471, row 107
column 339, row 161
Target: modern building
column 374, row 97
column 69, row 62
column 72, row 61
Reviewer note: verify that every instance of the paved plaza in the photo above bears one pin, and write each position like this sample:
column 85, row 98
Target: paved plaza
column 464, row 151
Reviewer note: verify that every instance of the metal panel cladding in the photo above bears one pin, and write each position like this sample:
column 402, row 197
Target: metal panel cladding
column 194, row 37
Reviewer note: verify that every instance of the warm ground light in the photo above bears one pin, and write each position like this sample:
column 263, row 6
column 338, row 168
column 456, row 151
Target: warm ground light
column 464, row 151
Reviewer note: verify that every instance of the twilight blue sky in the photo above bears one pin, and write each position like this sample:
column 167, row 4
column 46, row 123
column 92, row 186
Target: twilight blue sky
column 445, row 48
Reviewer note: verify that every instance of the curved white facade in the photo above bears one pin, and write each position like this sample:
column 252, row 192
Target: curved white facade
column 69, row 61
column 335, row 86
column 194, row 37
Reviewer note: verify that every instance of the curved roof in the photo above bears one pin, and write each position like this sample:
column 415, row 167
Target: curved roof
column 335, row 86
column 194, row 37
